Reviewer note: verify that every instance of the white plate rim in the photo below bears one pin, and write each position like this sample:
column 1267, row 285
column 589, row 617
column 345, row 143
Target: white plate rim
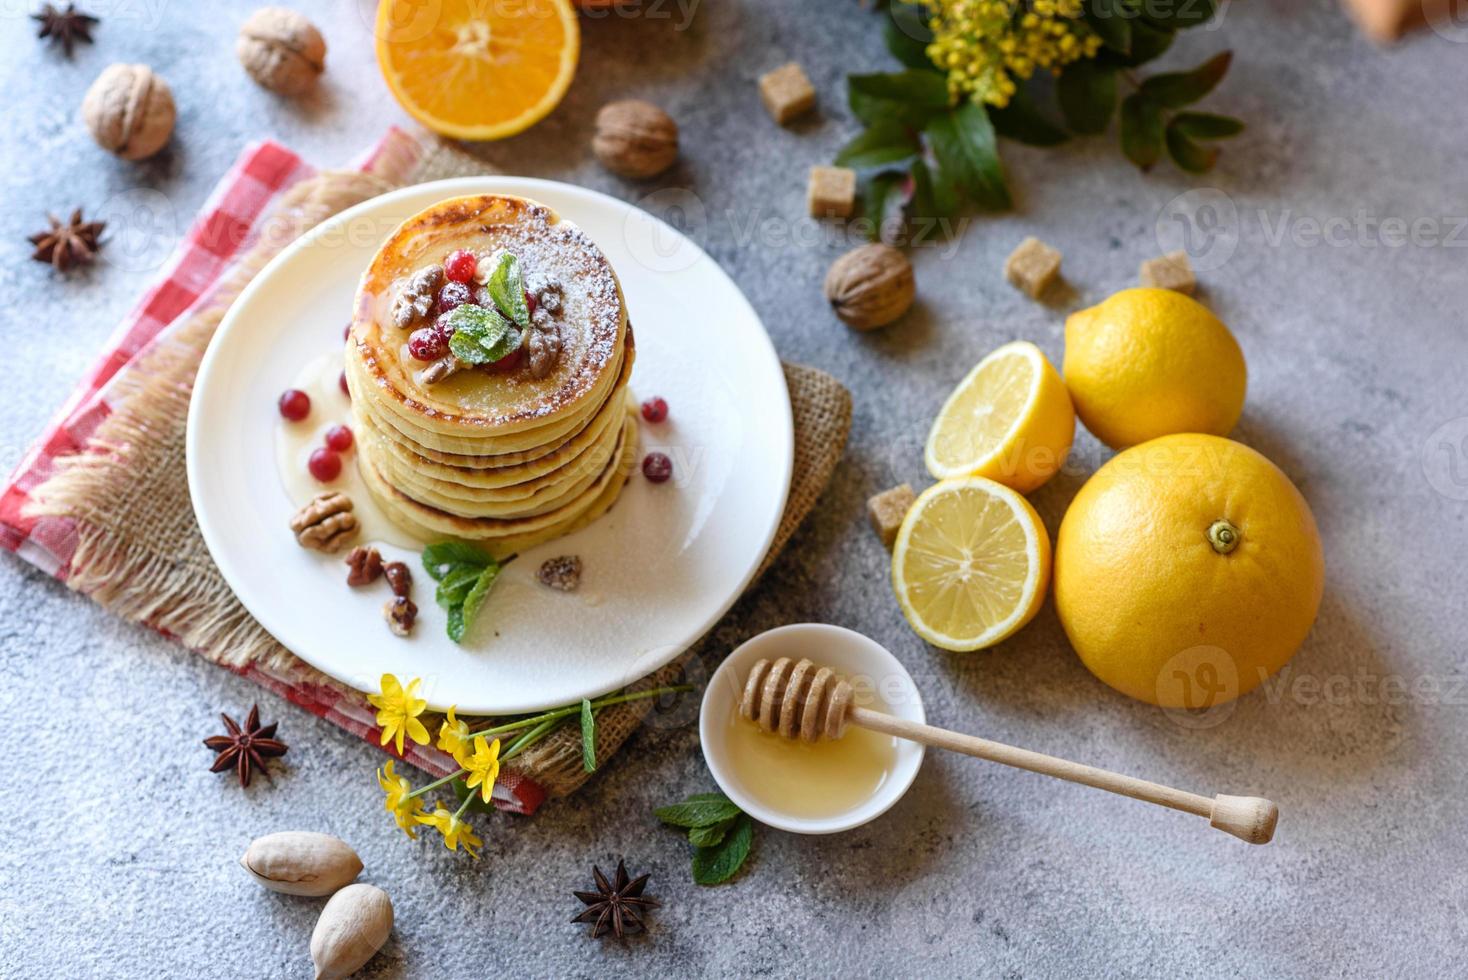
column 458, row 186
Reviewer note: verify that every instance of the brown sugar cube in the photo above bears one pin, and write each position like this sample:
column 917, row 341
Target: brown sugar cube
column 787, row 93
column 887, row 509
column 1032, row 267
column 1172, row 271
column 831, row 192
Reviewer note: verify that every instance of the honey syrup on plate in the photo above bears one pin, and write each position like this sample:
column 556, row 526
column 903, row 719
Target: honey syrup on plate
column 804, row 779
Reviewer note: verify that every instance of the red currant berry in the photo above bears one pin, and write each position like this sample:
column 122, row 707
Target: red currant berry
column 460, row 265
column 529, row 302
column 324, row 465
column 452, row 296
column 341, row 380
column 427, row 344
column 339, row 438
column 295, row 405
column 657, row 467
column 443, row 327
column 654, row 409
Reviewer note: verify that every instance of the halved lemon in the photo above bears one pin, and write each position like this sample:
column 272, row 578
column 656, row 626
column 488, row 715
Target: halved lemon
column 475, row 70
column 971, row 563
column 1010, row 420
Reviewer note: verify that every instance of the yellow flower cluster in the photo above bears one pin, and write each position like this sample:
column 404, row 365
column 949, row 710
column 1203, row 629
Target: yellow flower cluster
column 986, row 45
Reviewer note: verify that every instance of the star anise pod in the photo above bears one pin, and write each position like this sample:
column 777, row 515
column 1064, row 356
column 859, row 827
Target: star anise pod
column 614, row 906
column 65, row 27
column 245, row 748
column 66, row 245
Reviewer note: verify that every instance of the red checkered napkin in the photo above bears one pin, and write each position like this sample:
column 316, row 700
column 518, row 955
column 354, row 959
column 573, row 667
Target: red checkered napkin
column 223, row 231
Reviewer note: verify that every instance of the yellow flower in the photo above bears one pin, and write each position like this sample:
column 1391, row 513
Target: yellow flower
column 453, row 735
column 454, row 830
column 483, row 766
column 405, row 810
column 398, row 711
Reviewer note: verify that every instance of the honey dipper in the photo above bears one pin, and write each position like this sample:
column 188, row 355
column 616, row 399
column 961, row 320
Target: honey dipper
column 799, row 699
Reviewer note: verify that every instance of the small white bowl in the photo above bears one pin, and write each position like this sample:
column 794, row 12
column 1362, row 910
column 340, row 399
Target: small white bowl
column 865, row 662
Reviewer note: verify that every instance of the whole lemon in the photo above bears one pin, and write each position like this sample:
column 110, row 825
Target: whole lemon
column 1187, row 570
column 1151, row 362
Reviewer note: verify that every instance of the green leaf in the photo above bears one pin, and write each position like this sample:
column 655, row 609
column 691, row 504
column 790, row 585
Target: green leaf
column 880, row 144
column 588, row 737
column 876, row 192
column 1192, row 157
column 440, row 558
column 712, row 865
column 1024, row 122
column 917, row 87
column 907, row 35
column 456, row 625
column 710, row 835
column 1206, row 126
column 507, row 289
column 1176, row 89
column 1148, row 42
column 1179, row 14
column 1112, row 22
column 454, row 587
column 474, row 601
column 963, row 143
column 481, row 336
column 1087, row 94
column 697, row 812
column 1141, row 130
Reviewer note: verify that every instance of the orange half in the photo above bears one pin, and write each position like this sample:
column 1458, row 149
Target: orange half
column 477, row 69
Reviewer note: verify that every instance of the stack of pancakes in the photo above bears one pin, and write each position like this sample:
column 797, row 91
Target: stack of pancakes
column 496, row 456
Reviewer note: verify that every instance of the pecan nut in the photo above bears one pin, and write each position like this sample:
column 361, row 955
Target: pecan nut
column 365, row 565
column 399, row 579
column 401, row 614
column 326, row 523
column 416, row 300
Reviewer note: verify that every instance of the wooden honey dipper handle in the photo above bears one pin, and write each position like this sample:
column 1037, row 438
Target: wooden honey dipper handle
column 801, row 700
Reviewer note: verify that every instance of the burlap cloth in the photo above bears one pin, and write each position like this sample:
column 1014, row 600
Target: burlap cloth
column 139, row 552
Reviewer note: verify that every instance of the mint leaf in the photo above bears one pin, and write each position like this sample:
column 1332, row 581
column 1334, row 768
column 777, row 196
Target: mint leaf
column 507, row 289
column 588, row 737
column 481, row 335
column 475, row 599
column 712, row 865
column 1087, row 95
column 697, row 813
column 710, row 835
column 963, row 143
column 1141, row 130
column 440, row 558
column 1177, row 89
column 455, row 586
column 881, row 143
column 456, row 625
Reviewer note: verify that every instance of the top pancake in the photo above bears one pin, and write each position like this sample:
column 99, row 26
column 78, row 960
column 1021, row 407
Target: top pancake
column 476, row 404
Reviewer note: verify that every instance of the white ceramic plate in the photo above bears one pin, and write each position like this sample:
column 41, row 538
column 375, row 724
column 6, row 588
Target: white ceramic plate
column 660, row 568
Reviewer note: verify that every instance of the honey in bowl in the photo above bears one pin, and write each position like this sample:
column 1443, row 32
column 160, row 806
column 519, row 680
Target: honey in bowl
column 809, row 780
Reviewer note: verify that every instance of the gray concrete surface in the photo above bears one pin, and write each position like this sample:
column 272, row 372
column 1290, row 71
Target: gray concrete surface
column 120, row 846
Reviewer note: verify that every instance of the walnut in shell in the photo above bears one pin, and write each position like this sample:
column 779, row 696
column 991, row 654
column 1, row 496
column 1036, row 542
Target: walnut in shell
column 871, row 286
column 129, row 111
column 326, row 523
column 635, row 138
column 281, row 50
